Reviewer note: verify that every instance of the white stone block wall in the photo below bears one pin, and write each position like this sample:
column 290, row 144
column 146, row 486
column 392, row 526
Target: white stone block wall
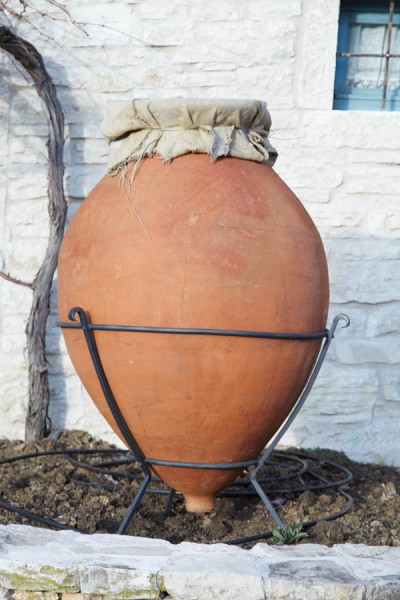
column 343, row 165
column 38, row 564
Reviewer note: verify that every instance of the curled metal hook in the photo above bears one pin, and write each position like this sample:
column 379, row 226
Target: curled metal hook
column 77, row 311
column 335, row 323
column 343, row 317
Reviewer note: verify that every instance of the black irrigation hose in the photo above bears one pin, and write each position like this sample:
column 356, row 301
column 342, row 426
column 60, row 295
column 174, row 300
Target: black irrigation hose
column 18, row 457
column 305, row 525
column 98, row 469
column 38, row 518
column 300, row 457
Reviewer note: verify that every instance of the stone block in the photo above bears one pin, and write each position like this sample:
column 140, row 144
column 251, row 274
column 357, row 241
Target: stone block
column 38, row 129
column 195, row 574
column 119, row 20
column 115, row 57
column 196, row 77
column 377, row 566
column 250, row 79
column 372, row 184
column 24, row 595
column 27, row 108
column 385, row 350
column 27, row 183
column 27, row 149
column 233, row 10
column 383, row 591
column 25, row 213
column 314, row 580
column 370, row 215
column 263, row 10
column 384, row 320
column 369, row 156
column 88, row 151
column 11, row 340
column 377, row 215
column 205, row 54
column 117, row 583
column 231, row 31
column 317, row 38
column 342, row 395
column 256, row 75
column 81, row 179
column 195, row 10
column 383, row 218
column 111, row 82
column 308, row 196
column 391, row 384
column 351, row 129
column 353, row 247
column 83, row 129
column 363, row 281
column 347, row 571
column 25, row 256
column 377, row 442
column 37, row 577
column 285, row 125
column 296, row 552
column 162, row 33
column 119, row 550
column 303, row 173
column 15, row 299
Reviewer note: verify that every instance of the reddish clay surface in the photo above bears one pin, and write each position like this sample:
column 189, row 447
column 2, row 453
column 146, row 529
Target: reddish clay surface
column 231, row 248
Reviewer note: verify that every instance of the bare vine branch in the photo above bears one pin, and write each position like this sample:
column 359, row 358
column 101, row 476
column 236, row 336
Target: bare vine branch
column 64, row 9
column 5, row 6
column 81, row 25
column 19, row 17
column 8, row 277
column 37, row 425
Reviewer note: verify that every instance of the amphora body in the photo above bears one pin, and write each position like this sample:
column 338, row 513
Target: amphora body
column 192, row 228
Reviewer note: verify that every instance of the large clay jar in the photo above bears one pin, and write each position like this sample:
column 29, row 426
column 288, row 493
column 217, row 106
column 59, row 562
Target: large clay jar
column 199, row 243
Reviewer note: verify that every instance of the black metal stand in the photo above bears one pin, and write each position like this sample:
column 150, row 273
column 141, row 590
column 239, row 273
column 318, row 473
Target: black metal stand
column 88, row 328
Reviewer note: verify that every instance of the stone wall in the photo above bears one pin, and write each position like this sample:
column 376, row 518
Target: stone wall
column 343, row 166
column 36, row 564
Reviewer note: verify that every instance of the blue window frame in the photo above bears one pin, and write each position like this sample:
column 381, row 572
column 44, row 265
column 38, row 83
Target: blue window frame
column 368, row 56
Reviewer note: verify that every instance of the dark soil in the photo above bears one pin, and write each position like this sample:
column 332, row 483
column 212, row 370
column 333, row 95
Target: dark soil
column 54, row 487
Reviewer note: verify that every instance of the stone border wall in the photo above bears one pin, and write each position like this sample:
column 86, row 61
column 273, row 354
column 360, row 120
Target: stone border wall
column 38, row 564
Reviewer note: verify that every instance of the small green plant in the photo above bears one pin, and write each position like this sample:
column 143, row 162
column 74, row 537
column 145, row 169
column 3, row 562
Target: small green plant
column 289, row 534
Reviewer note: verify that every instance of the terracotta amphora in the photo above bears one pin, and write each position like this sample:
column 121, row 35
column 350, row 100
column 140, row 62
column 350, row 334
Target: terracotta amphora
column 198, row 243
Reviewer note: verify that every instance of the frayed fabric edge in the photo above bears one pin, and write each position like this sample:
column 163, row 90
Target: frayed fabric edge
column 266, row 153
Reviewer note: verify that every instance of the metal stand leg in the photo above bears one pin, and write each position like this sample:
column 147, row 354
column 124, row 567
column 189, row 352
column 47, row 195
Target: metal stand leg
column 170, row 502
column 293, row 414
column 130, row 440
column 135, row 505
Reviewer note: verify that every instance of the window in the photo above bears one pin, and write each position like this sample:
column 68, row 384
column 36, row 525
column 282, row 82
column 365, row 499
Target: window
column 368, row 56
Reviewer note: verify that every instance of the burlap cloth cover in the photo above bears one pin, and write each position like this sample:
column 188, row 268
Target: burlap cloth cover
column 174, row 127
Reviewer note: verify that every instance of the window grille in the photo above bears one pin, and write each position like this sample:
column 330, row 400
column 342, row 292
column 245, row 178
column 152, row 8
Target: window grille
column 368, row 57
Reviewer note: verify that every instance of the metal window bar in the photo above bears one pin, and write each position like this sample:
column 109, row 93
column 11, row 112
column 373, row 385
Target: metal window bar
column 387, row 55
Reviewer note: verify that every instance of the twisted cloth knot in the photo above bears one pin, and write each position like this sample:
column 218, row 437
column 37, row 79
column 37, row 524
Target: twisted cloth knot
column 174, row 127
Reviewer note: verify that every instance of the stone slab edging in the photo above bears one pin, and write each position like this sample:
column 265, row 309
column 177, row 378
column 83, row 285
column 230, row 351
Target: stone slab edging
column 38, row 564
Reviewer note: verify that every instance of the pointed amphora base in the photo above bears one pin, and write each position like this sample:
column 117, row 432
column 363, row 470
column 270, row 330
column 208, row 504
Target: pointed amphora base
column 199, row 504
